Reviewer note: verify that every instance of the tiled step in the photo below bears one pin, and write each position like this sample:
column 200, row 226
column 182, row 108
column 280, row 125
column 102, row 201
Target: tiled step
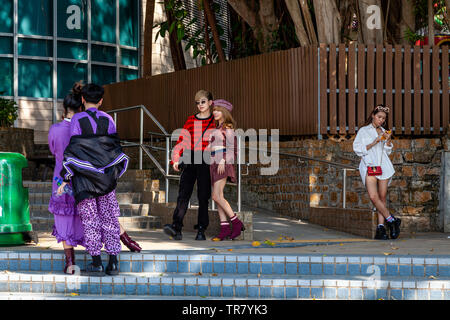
column 128, row 223
column 126, row 210
column 237, row 286
column 89, row 297
column 238, row 264
column 37, row 198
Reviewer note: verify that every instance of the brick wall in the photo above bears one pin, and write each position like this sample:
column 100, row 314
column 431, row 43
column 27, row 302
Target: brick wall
column 17, row 140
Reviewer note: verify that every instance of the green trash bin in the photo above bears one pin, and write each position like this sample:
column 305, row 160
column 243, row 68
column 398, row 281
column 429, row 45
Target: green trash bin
column 14, row 205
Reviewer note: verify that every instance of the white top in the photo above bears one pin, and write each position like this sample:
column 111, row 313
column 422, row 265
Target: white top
column 378, row 155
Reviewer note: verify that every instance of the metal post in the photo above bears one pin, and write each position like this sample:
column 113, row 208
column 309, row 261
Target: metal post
column 89, row 40
column 115, row 119
column 344, row 184
column 118, row 53
column 167, row 167
column 55, row 64
column 239, row 173
column 141, row 136
column 16, row 55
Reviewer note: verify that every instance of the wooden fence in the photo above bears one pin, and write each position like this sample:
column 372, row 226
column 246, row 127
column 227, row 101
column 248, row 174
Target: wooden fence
column 303, row 91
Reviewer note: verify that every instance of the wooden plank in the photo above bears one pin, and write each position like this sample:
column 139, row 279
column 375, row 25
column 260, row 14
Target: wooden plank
column 323, row 88
column 342, row 87
column 436, row 106
column 351, row 88
column 426, row 90
column 315, row 66
column 445, row 87
column 370, row 102
column 417, row 88
column 407, row 84
column 380, row 67
column 361, row 85
column 332, row 85
column 398, row 99
column 389, row 83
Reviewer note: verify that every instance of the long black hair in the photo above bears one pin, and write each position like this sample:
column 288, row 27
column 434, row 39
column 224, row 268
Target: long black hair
column 72, row 102
column 379, row 108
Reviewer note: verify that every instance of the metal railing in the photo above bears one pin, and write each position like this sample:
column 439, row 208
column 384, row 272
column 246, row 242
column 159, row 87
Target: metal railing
column 165, row 171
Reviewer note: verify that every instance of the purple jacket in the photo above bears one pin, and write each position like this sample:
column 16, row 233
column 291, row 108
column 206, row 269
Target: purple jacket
column 58, row 139
column 75, row 128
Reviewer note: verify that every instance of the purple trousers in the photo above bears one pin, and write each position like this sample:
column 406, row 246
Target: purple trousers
column 99, row 217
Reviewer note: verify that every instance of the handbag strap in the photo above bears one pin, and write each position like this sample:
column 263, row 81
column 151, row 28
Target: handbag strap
column 201, row 138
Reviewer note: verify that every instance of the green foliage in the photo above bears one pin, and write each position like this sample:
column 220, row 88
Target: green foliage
column 182, row 27
column 8, row 112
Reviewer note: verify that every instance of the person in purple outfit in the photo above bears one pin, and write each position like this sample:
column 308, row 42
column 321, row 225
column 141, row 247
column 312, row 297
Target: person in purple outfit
column 67, row 226
column 93, row 162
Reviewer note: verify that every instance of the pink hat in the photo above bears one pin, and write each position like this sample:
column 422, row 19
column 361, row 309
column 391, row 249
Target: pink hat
column 223, row 103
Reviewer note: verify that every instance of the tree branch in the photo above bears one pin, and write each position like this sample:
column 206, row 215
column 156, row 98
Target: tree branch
column 296, row 15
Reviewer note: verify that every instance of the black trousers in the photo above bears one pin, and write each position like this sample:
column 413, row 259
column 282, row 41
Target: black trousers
column 190, row 174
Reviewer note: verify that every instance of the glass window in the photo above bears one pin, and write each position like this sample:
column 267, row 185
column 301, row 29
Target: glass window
column 72, row 19
column 35, row 78
column 35, row 47
column 6, row 45
column 6, row 77
column 102, row 75
column 72, row 50
column 103, row 15
column 130, row 57
column 103, row 53
column 128, row 74
column 68, row 74
column 36, row 17
column 6, row 16
column 129, row 28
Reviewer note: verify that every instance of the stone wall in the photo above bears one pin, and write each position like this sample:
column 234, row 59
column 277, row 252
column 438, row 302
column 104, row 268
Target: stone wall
column 17, row 140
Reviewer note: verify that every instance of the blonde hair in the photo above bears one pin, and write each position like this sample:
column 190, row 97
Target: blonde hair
column 203, row 94
column 228, row 122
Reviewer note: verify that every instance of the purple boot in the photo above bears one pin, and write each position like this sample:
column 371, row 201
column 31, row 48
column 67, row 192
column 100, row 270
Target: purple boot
column 237, row 226
column 225, row 231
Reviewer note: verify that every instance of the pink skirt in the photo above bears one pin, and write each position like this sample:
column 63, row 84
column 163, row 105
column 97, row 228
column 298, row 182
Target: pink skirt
column 229, row 173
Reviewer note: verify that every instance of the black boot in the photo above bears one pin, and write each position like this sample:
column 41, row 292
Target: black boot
column 112, row 269
column 96, row 267
column 394, row 228
column 200, row 234
column 173, row 232
column 381, row 233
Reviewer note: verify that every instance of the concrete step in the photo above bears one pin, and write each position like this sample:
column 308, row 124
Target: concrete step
column 231, row 286
column 38, row 198
column 89, row 297
column 126, row 210
column 128, row 223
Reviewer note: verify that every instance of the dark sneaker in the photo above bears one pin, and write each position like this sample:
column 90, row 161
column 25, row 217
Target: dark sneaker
column 94, row 271
column 394, row 228
column 381, row 233
column 172, row 232
column 200, row 234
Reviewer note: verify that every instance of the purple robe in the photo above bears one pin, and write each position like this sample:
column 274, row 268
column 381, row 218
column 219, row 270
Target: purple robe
column 68, row 225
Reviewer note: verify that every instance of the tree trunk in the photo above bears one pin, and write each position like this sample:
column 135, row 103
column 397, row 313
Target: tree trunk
column 328, row 21
column 207, row 44
column 408, row 21
column 308, row 22
column 371, row 21
column 430, row 23
column 296, row 15
column 148, row 40
column 175, row 47
column 263, row 21
column 212, row 23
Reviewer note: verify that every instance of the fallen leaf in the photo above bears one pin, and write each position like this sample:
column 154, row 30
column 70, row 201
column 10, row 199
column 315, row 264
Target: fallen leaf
column 387, row 253
column 230, row 249
column 256, row 243
column 394, row 248
column 73, row 294
column 432, row 277
column 341, row 244
column 269, row 243
column 214, row 274
column 198, row 274
column 432, row 250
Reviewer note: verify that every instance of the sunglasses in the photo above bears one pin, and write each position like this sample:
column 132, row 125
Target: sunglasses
column 384, row 109
column 201, row 102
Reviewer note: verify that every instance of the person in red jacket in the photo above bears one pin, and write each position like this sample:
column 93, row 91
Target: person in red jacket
column 187, row 156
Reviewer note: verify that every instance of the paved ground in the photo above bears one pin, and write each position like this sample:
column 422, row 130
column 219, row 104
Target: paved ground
column 286, row 235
